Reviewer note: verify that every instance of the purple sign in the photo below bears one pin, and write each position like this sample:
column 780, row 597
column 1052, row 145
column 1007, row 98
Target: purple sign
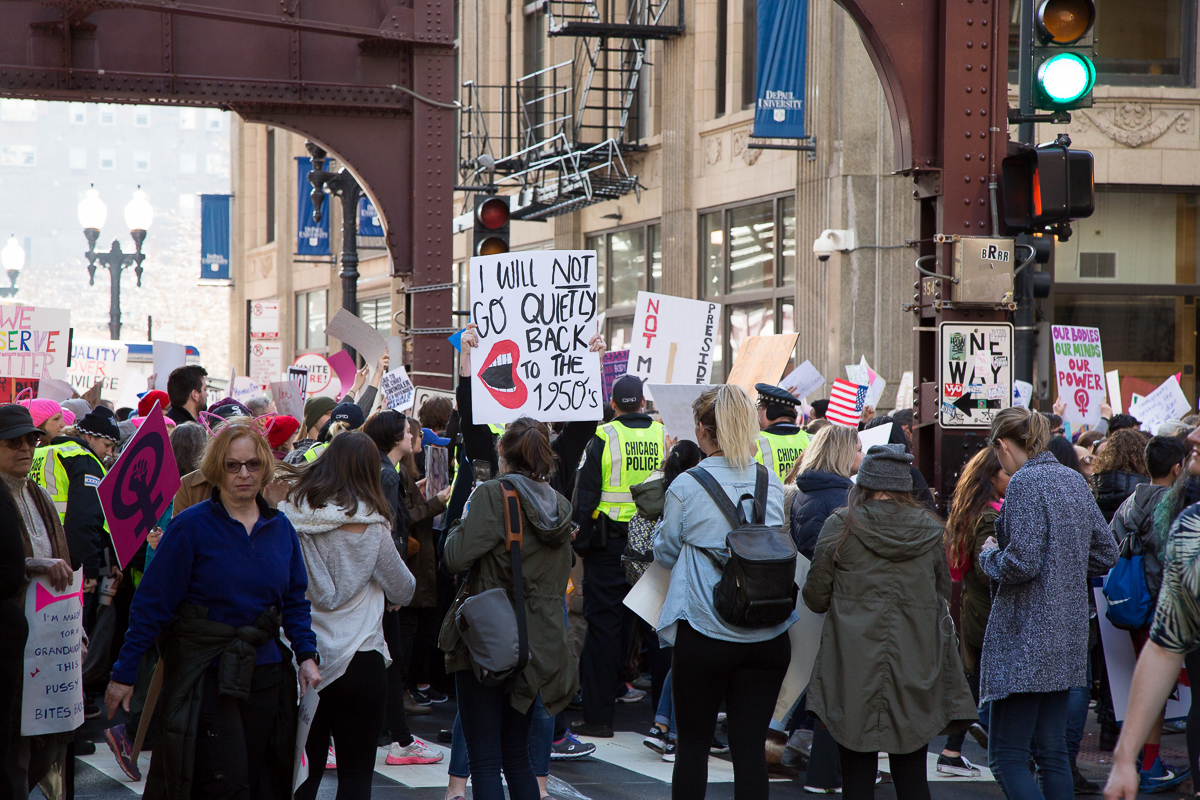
column 613, row 365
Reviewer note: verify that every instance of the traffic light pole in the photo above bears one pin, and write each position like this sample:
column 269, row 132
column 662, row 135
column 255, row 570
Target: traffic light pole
column 1025, row 317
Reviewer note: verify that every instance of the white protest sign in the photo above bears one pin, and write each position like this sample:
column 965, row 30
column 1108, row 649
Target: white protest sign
column 98, row 361
column 674, row 404
column 33, row 342
column 1022, row 393
column 1113, row 379
column 673, row 339
column 345, row 327
column 862, row 374
column 1079, row 371
column 304, row 721
column 58, row 391
column 536, row 312
column 242, row 388
column 397, row 390
column 803, row 380
column 52, row 684
column 320, row 379
column 1120, row 659
column 873, row 436
column 805, row 637
column 1165, row 403
column 904, row 392
column 289, row 399
column 168, row 357
column 425, row 394
column 648, row 595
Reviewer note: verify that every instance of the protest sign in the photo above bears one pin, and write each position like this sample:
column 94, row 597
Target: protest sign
column 58, row 391
column 805, row 638
column 536, row 312
column 803, row 380
column 349, row 329
column 1112, row 380
column 168, row 357
column 674, row 404
column 1079, row 369
column 1022, row 393
column 98, row 361
column 345, row 369
column 289, row 399
column 647, row 596
column 137, row 490
column 862, row 374
column 1132, row 390
column 242, row 389
column 52, row 684
column 761, row 359
column 300, row 376
column 678, row 351
column 11, row 388
column 1165, row 403
column 904, row 392
column 873, row 436
column 397, row 390
column 304, row 721
column 424, row 394
column 613, row 365
column 33, row 342
column 320, row 378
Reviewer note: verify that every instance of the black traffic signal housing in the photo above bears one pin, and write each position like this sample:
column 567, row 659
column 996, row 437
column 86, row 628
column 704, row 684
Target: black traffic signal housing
column 491, row 225
column 1047, row 186
column 1063, row 53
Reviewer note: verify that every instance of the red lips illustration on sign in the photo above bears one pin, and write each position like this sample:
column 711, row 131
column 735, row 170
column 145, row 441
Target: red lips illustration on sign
column 499, row 374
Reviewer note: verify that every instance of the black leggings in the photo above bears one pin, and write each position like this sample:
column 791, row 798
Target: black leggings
column 954, row 741
column 399, row 629
column 747, row 676
column 233, row 736
column 908, row 774
column 1192, row 662
column 351, row 710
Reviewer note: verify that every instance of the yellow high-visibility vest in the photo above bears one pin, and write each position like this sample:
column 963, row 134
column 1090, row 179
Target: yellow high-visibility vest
column 780, row 451
column 50, row 472
column 630, row 455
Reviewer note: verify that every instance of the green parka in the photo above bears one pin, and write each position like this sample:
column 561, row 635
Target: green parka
column 888, row 675
column 977, row 595
column 476, row 542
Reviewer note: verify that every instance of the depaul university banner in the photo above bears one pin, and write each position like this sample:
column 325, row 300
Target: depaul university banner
column 782, row 54
column 214, row 236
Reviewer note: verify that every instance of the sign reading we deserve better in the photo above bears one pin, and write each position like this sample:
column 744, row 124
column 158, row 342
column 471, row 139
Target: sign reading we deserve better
column 33, row 342
column 673, row 339
column 1079, row 370
column 536, row 313
column 52, row 685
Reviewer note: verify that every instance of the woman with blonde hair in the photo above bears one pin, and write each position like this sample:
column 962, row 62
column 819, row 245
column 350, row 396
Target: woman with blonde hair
column 715, row 661
column 823, row 482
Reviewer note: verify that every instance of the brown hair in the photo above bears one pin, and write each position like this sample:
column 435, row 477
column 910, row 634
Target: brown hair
column 212, row 467
column 1124, row 452
column 435, row 413
column 525, row 448
column 860, row 496
column 1027, row 429
column 346, row 474
column 386, row 428
column 971, row 497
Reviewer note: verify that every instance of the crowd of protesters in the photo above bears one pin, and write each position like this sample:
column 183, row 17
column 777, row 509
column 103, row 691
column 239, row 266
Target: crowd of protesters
column 342, row 553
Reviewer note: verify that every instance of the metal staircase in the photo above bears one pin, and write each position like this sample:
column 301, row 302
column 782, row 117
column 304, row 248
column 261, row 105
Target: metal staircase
column 557, row 136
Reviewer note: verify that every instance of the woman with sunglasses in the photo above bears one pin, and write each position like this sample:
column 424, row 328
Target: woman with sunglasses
column 226, row 575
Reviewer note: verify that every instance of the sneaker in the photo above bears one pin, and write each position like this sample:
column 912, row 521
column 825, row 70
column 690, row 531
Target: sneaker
column 656, row 740
column 1082, row 784
column 642, row 682
column 1175, row 726
column 570, row 748
column 428, row 695
column 1161, row 777
column 669, row 753
column 631, row 695
column 958, row 765
column 418, row 752
column 411, row 706
column 122, row 749
column 331, row 759
column 91, row 709
column 718, row 747
column 84, row 747
column 822, row 790
column 979, row 733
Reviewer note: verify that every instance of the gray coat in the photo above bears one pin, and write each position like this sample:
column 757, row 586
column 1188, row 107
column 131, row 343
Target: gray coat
column 1052, row 539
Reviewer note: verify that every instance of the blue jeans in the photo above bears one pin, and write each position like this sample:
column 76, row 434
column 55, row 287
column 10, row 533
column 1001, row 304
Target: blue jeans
column 497, row 737
column 665, row 715
column 541, row 737
column 1016, row 721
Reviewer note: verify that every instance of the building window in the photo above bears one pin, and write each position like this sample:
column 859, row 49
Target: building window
column 214, row 164
column 108, row 115
column 78, row 158
column 108, row 159
column 18, row 155
column 534, row 60
column 77, row 113
column 187, row 163
column 749, row 52
column 722, row 67
column 1150, row 42
column 270, row 184
column 311, row 313
column 18, row 110
column 141, row 117
column 214, row 119
column 377, row 313
column 141, row 162
column 187, row 118
column 621, row 258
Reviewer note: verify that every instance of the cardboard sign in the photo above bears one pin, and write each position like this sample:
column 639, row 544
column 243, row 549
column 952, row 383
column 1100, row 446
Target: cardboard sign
column 674, row 404
column 613, row 365
column 424, row 394
column 52, row 683
column 289, row 399
column 58, row 391
column 761, row 359
column 1165, row 403
column 1079, row 372
column 1112, row 379
column 33, row 342
column 398, row 391
column 168, row 357
column 803, row 380
column 320, row 378
column 349, row 329
column 304, row 721
column 975, row 379
column 648, row 595
column 98, row 361
column 536, row 312
column 139, row 487
column 674, row 339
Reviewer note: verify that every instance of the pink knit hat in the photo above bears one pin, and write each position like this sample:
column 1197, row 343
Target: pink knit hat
column 42, row 410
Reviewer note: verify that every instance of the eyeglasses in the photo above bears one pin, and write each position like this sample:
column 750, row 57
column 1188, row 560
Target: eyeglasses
column 28, row 440
column 1086, row 460
column 253, row 466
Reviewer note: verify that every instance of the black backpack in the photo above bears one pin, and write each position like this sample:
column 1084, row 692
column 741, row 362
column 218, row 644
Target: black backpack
column 758, row 577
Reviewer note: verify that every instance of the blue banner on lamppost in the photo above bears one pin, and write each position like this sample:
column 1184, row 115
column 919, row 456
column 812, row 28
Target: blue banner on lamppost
column 214, row 237
column 782, row 56
column 369, row 223
column 312, row 238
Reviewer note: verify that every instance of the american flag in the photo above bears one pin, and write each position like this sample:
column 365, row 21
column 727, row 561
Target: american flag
column 846, row 403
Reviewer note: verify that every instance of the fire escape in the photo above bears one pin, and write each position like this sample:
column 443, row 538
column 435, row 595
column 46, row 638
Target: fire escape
column 558, row 136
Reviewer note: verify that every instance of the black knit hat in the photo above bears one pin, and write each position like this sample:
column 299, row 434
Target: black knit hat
column 99, row 422
column 886, row 468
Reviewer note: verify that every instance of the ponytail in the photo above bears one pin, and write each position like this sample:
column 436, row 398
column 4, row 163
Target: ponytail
column 525, row 448
column 727, row 413
column 1026, row 429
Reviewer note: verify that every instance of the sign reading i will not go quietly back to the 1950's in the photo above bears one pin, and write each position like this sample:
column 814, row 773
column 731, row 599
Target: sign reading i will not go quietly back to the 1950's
column 536, row 315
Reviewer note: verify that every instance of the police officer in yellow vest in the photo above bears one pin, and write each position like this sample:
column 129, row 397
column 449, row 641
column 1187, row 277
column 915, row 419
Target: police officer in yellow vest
column 781, row 441
column 623, row 453
column 70, row 468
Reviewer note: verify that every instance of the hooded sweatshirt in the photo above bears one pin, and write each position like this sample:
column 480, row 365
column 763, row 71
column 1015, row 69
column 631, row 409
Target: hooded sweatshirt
column 1136, row 516
column 348, row 576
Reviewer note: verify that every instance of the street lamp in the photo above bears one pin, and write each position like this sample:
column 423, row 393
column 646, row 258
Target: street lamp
column 12, row 257
column 139, row 215
column 342, row 184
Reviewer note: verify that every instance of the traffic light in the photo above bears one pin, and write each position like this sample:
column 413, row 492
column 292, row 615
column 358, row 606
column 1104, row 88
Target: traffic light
column 1047, row 186
column 491, row 225
column 1063, row 54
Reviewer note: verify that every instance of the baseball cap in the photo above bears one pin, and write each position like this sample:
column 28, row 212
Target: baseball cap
column 627, row 391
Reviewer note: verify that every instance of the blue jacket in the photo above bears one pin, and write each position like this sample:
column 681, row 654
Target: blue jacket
column 821, row 493
column 205, row 558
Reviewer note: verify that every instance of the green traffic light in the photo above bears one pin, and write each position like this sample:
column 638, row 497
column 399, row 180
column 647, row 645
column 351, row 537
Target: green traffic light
column 1066, row 77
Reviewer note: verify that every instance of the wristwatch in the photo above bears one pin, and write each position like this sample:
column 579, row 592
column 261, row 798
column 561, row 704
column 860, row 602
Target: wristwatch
column 311, row 655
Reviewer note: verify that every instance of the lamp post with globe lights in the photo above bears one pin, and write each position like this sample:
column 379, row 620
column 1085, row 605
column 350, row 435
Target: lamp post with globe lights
column 138, row 216
column 12, row 257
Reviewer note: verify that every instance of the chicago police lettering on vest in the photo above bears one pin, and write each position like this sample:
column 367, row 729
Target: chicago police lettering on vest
column 1079, row 371
column 52, row 689
column 673, row 339
column 536, row 315
column 641, row 456
column 33, row 342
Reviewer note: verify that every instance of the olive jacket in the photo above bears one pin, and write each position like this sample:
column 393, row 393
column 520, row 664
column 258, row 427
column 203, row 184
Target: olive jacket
column 977, row 595
column 476, row 542
column 888, row 675
column 423, row 563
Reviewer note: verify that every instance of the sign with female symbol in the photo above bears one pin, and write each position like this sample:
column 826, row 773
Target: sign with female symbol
column 139, row 487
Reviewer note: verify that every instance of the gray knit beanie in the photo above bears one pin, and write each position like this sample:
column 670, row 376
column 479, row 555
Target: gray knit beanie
column 886, row 468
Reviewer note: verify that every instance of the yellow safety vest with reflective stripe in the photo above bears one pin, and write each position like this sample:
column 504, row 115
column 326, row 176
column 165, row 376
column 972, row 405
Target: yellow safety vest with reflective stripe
column 311, row 453
column 780, row 451
column 51, row 474
column 497, row 430
column 630, row 455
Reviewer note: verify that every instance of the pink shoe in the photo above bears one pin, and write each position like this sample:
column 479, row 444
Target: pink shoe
column 418, row 752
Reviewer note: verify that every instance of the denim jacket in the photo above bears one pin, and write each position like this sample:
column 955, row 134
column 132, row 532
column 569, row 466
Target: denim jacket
column 691, row 518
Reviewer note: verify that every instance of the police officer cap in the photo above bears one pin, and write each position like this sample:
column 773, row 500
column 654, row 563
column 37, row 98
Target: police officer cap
column 627, row 390
column 768, row 394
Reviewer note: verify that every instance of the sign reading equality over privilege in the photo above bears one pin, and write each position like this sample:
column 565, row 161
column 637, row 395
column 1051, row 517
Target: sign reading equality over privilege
column 676, row 351
column 33, row 342
column 1079, row 372
column 974, row 373
column 52, row 684
column 137, row 490
column 98, row 361
column 536, row 315
column 782, row 56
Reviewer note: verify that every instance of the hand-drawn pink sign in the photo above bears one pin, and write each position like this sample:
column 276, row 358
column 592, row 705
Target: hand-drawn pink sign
column 139, row 487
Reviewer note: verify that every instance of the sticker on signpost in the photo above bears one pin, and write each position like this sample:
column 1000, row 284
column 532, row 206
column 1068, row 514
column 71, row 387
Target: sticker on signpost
column 975, row 379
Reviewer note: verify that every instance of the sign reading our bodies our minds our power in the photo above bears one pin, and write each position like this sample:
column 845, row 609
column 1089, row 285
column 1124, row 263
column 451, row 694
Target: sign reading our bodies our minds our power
column 536, row 315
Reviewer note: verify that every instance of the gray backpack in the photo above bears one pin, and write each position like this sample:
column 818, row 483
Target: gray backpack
column 495, row 632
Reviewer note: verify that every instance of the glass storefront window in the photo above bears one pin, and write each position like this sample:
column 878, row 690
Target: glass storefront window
column 1146, row 42
column 378, row 314
column 1131, row 328
column 654, row 236
column 619, row 335
column 628, row 265
column 788, row 253
column 597, row 243
column 712, row 252
column 757, row 319
column 310, row 320
column 751, row 247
